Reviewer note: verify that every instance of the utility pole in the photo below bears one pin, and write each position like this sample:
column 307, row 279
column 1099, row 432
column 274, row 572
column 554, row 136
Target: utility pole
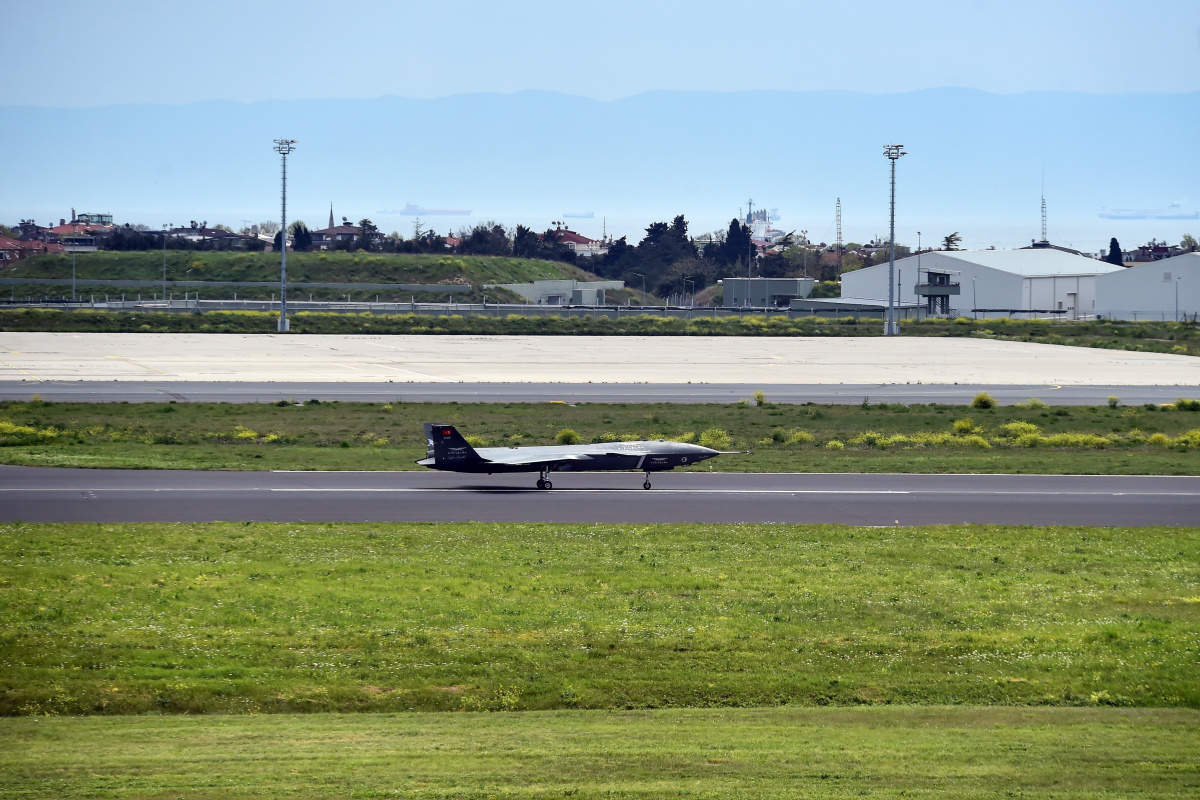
column 893, row 152
column 805, row 235
column 166, row 229
column 283, row 147
column 839, row 236
column 73, row 281
column 750, row 249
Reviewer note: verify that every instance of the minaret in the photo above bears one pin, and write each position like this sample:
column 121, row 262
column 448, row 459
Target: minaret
column 331, row 215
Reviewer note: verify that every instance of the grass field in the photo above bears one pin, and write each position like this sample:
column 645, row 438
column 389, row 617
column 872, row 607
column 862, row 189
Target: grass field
column 772, row 438
column 330, row 267
column 763, row 753
column 1156, row 337
column 251, row 618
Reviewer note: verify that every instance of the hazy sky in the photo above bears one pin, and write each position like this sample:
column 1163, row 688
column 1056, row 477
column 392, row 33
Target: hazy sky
column 71, row 53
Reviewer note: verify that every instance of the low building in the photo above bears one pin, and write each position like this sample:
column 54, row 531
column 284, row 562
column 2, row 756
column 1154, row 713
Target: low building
column 561, row 293
column 1154, row 290
column 1043, row 282
column 764, row 292
column 582, row 245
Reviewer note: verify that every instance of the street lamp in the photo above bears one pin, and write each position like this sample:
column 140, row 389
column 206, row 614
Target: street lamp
column 805, row 235
column 283, row 147
column 893, row 152
column 166, row 228
column 73, row 276
column 643, row 277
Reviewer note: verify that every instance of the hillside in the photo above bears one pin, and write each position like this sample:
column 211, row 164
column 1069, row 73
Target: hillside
column 334, row 267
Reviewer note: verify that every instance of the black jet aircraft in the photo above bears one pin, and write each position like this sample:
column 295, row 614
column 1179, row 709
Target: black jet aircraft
column 448, row 450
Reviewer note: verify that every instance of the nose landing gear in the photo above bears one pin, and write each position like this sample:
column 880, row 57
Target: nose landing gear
column 646, row 485
column 543, row 482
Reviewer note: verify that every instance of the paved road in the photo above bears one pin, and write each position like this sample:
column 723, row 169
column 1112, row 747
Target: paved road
column 33, row 494
column 375, row 392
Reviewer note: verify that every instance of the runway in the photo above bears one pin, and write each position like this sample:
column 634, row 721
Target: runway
column 73, row 495
column 838, row 394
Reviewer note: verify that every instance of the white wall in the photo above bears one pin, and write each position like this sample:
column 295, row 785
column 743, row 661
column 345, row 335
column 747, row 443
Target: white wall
column 1074, row 294
column 991, row 288
column 1147, row 291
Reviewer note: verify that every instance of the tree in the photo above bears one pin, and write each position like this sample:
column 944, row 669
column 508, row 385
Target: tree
column 270, row 227
column 1188, row 243
column 951, row 242
column 1114, row 253
column 736, row 248
column 366, row 234
column 301, row 237
column 485, row 239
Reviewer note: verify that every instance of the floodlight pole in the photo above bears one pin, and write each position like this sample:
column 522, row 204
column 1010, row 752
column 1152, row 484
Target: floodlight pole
column 283, row 147
column 893, row 152
column 166, row 228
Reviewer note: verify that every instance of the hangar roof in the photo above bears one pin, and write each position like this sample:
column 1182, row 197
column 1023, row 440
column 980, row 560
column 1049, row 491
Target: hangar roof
column 1031, row 263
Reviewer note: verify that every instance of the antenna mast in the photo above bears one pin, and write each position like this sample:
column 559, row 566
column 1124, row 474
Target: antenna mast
column 839, row 235
column 1044, row 239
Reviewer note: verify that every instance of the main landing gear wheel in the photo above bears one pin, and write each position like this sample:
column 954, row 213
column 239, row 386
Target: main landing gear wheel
column 543, row 483
column 646, row 485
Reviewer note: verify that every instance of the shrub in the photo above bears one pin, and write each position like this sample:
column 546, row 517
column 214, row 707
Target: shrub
column 1183, row 404
column 1113, row 402
column 800, row 437
column 1159, row 440
column 961, row 321
column 715, row 439
column 386, row 407
column 605, row 437
column 1188, row 438
column 983, row 400
column 1015, row 430
column 964, row 426
column 476, row 441
column 241, row 432
column 568, row 436
column 687, row 437
column 834, row 444
column 760, row 399
column 1034, row 403
column 778, row 436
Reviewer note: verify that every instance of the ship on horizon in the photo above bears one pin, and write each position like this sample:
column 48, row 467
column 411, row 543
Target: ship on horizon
column 413, row 210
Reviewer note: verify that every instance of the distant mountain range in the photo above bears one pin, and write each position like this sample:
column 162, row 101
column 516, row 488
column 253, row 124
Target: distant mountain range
column 975, row 160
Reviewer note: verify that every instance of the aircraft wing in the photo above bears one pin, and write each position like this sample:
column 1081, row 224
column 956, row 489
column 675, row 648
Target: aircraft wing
column 518, row 458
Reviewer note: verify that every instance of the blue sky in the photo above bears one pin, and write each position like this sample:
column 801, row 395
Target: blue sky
column 71, row 53
column 507, row 150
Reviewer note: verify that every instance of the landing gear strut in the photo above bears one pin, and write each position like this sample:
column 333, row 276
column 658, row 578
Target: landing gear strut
column 543, row 482
column 646, row 485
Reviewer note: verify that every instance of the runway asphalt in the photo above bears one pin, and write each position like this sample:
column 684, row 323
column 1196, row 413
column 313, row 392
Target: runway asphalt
column 74, row 495
column 95, row 391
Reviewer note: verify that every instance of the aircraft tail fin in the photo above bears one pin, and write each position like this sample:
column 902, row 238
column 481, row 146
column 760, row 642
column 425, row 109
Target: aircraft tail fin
column 446, row 446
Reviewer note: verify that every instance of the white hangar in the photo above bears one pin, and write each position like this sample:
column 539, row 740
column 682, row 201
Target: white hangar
column 1161, row 290
column 1039, row 282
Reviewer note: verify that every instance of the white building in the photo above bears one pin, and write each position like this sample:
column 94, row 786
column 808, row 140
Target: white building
column 561, row 293
column 1166, row 289
column 1039, row 282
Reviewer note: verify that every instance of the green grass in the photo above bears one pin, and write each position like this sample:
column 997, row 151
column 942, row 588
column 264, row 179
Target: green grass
column 768, row 753
column 362, row 436
column 1155, row 337
column 283, row 618
column 331, row 267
